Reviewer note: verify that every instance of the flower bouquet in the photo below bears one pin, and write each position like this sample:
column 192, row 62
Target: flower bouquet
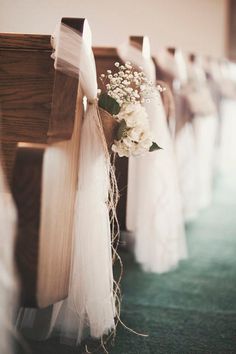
column 124, row 118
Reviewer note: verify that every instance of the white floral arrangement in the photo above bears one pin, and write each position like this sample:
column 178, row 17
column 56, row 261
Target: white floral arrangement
column 124, row 92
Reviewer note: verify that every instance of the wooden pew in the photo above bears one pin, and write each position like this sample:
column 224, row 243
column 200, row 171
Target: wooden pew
column 38, row 111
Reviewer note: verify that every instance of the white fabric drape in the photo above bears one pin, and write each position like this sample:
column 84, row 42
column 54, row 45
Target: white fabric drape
column 205, row 130
column 154, row 211
column 90, row 301
column 8, row 283
column 227, row 149
column 173, row 64
column 175, row 67
column 89, row 307
column 185, row 149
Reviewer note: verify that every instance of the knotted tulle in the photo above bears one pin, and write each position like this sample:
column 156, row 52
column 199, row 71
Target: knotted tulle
column 154, row 211
column 204, row 123
column 90, row 303
column 89, row 308
column 196, row 133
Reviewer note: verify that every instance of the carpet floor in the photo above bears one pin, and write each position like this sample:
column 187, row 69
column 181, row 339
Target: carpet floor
column 191, row 310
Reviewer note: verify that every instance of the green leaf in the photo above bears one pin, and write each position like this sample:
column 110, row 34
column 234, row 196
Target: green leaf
column 121, row 129
column 109, row 104
column 154, row 147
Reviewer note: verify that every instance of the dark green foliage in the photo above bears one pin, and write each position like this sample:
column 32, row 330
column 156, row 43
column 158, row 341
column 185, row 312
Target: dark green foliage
column 109, row 104
column 154, row 147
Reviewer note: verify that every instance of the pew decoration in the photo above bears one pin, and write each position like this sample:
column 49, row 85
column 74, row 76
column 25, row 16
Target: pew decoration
column 154, row 210
column 40, row 162
column 121, row 100
column 90, row 302
column 91, row 305
column 204, row 121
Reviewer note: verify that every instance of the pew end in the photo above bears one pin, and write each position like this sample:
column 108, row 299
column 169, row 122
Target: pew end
column 39, row 109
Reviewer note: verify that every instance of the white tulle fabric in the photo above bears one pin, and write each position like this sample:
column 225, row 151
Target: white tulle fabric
column 205, row 129
column 8, row 283
column 185, row 149
column 89, row 308
column 90, row 301
column 154, row 211
column 227, row 150
column 174, row 65
column 184, row 143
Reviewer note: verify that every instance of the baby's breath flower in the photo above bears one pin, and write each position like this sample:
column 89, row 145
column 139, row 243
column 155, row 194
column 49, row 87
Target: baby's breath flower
column 127, row 85
column 131, row 88
column 126, row 82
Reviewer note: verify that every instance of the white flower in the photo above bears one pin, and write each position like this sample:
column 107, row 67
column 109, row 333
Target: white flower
column 141, row 135
column 137, row 138
column 128, row 89
column 131, row 88
column 135, row 133
column 120, row 148
column 128, row 142
column 134, row 114
column 126, row 82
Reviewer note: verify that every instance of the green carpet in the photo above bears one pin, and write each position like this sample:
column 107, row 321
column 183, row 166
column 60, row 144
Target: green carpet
column 191, row 309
